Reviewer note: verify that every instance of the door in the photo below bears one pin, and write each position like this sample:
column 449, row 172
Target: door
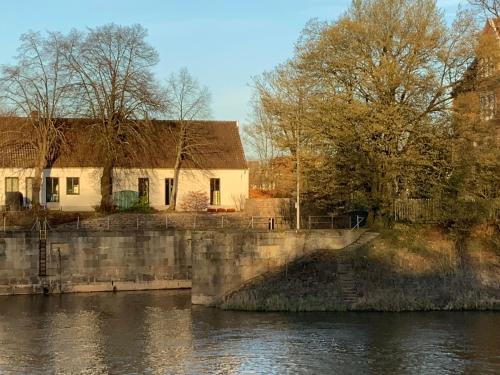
column 215, row 191
column 144, row 190
column 51, row 189
column 169, row 185
column 28, row 198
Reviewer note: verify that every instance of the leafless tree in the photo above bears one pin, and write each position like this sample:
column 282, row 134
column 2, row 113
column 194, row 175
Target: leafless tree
column 187, row 102
column 261, row 138
column 37, row 87
column 118, row 91
column 490, row 8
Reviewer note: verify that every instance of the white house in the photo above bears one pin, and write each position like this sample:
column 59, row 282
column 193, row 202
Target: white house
column 73, row 181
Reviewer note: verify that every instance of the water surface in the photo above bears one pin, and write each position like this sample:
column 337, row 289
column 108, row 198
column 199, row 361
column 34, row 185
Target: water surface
column 159, row 333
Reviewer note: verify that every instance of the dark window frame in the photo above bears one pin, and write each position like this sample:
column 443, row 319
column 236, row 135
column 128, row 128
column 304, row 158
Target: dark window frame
column 49, row 197
column 215, row 187
column 140, row 187
column 11, row 179
column 169, row 185
column 72, row 190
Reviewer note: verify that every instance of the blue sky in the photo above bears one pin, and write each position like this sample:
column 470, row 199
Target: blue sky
column 223, row 43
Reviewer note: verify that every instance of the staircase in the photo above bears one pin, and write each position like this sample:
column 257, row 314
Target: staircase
column 345, row 271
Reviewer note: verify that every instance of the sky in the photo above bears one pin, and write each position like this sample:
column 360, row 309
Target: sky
column 223, row 43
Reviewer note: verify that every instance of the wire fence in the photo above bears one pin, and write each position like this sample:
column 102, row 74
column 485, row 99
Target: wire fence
column 135, row 222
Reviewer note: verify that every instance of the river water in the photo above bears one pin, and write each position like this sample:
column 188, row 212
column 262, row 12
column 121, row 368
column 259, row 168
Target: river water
column 160, row 333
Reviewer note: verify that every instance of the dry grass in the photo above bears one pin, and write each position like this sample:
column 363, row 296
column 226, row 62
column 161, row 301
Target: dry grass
column 408, row 268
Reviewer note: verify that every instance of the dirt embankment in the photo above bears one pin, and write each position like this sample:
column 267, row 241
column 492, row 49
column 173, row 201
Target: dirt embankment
column 404, row 269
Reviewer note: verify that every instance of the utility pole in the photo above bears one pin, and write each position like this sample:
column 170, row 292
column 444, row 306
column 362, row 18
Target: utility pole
column 297, row 156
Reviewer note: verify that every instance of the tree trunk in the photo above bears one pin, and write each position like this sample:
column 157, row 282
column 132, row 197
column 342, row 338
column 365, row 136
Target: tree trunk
column 177, row 168
column 175, row 187
column 37, row 187
column 106, row 188
column 38, row 178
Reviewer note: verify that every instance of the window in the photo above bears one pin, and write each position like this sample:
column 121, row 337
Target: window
column 488, row 106
column 144, row 189
column 12, row 196
column 215, row 191
column 169, row 185
column 11, row 184
column 72, row 186
column 51, row 189
column 29, row 191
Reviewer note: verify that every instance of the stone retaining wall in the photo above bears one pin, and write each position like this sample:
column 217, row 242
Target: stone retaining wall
column 224, row 262
column 95, row 261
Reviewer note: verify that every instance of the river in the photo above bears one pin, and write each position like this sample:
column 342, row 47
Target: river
column 160, row 333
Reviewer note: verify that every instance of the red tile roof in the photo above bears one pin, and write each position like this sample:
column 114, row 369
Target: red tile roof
column 218, row 146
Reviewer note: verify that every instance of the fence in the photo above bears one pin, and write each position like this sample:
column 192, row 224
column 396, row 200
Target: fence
column 269, row 223
column 417, row 210
column 124, row 222
column 348, row 221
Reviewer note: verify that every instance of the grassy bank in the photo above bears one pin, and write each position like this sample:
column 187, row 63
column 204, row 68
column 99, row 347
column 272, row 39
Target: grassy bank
column 405, row 269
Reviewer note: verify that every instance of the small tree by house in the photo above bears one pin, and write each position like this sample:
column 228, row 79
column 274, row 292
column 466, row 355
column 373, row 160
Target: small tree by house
column 195, row 201
column 186, row 101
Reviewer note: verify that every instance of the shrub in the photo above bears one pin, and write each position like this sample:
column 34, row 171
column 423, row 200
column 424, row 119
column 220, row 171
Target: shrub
column 195, row 201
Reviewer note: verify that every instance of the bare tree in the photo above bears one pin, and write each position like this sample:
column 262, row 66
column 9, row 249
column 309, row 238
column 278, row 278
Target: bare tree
column 38, row 87
column 489, row 8
column 187, row 102
column 118, row 91
column 260, row 135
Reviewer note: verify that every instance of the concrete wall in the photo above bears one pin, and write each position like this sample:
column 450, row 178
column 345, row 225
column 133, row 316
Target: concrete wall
column 223, row 262
column 234, row 185
column 96, row 261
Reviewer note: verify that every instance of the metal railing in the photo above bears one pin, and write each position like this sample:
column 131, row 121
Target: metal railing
column 191, row 222
column 269, row 222
column 335, row 222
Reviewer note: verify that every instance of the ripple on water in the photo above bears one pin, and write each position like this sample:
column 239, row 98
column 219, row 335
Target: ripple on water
column 159, row 333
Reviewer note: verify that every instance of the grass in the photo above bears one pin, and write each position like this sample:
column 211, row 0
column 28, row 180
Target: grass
column 406, row 269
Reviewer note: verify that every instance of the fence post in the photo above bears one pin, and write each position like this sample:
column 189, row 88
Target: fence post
column 166, row 222
column 4, row 222
column 78, row 222
column 309, row 222
column 331, row 226
column 137, row 223
column 252, row 222
column 108, row 222
column 194, row 222
column 222, row 223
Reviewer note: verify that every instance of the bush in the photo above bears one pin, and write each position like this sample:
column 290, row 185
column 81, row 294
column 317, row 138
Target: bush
column 195, row 201
column 141, row 205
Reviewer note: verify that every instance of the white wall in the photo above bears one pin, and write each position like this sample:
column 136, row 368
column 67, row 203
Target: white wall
column 21, row 174
column 233, row 185
column 90, row 189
